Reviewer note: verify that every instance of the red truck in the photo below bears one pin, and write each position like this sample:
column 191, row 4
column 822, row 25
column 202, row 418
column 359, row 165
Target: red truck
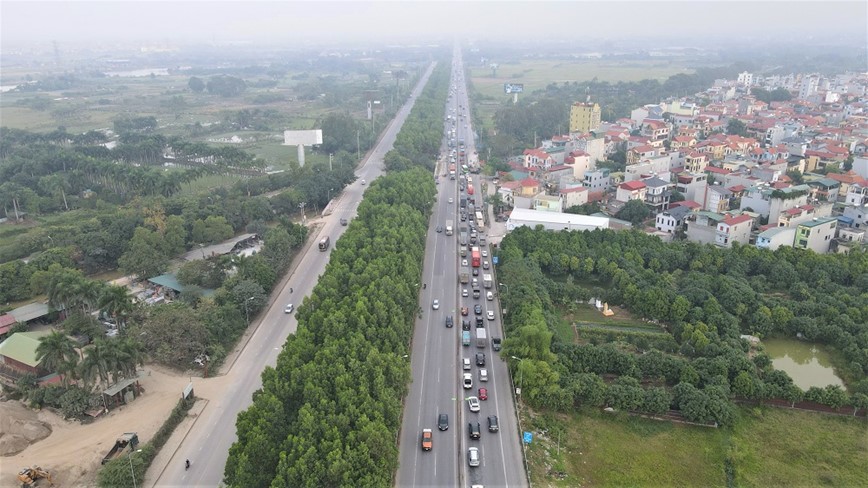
column 475, row 257
column 470, row 189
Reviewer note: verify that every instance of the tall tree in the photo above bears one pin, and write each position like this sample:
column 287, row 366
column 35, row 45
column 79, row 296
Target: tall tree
column 56, row 353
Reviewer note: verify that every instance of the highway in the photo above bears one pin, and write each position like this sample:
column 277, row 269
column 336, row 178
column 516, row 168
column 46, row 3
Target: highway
column 437, row 351
column 207, row 443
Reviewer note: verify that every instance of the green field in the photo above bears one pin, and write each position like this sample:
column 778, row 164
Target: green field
column 537, row 74
column 767, row 447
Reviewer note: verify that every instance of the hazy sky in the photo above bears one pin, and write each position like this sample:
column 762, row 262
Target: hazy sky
column 157, row 20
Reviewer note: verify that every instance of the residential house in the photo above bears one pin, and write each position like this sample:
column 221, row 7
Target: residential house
column 717, row 199
column 548, row 203
column 776, row 237
column 631, row 190
column 597, row 179
column 734, row 229
column 770, row 202
column 792, row 217
column 580, row 163
column 508, row 191
column 671, row 220
column 574, row 196
column 639, row 153
column 857, row 194
column 692, row 186
column 858, row 214
column 537, row 158
column 683, row 142
column 846, row 180
column 584, row 117
column 702, row 226
column 695, row 162
column 658, row 194
column 594, row 147
column 816, row 234
column 656, row 130
column 18, row 355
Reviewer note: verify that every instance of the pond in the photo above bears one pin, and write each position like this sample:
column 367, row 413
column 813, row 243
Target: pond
column 807, row 364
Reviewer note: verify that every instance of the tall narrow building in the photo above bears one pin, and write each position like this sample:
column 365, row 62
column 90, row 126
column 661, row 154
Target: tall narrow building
column 584, row 117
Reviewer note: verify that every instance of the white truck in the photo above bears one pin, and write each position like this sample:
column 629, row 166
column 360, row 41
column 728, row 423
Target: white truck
column 450, row 228
column 486, row 280
column 480, row 337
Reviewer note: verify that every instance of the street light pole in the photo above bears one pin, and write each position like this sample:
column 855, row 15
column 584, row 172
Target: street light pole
column 133, row 473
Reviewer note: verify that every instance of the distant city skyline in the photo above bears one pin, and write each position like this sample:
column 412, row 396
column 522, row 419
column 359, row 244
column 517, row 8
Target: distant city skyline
column 420, row 21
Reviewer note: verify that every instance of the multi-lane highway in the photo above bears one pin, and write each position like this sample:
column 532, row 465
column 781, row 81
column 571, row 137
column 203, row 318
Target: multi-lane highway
column 207, row 442
column 437, row 354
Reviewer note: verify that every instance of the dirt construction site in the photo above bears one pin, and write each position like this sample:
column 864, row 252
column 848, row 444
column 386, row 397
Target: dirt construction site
column 72, row 451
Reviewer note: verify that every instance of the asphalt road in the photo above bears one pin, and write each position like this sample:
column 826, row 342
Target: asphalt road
column 207, row 442
column 437, row 353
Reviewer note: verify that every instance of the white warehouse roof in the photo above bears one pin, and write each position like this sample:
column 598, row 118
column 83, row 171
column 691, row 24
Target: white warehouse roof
column 554, row 220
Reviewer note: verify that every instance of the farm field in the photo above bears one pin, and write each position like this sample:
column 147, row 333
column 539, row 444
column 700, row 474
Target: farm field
column 767, row 447
column 537, row 74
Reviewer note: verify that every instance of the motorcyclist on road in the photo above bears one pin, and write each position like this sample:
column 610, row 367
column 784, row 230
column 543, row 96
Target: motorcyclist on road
column 187, row 464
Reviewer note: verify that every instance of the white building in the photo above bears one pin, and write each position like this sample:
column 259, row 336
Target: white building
column 554, row 221
column 776, row 237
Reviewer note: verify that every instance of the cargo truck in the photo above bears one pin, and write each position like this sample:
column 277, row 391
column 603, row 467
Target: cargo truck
column 449, row 228
column 486, row 280
column 462, row 236
column 464, row 277
column 480, row 337
column 475, row 257
column 125, row 443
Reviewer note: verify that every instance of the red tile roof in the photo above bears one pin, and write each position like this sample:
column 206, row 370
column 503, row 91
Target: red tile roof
column 716, row 170
column 529, row 182
column 737, row 220
column 577, row 189
column 633, row 185
column 686, row 203
column 736, row 188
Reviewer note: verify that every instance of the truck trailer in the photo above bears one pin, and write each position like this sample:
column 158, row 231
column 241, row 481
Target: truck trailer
column 481, row 338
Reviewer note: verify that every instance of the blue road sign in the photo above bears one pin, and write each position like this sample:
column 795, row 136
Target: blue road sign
column 528, row 437
column 494, row 260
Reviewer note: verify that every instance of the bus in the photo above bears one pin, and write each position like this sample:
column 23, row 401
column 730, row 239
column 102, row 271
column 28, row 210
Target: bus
column 480, row 224
column 475, row 257
column 324, row 243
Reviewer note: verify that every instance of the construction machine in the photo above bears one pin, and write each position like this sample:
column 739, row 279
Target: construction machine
column 29, row 476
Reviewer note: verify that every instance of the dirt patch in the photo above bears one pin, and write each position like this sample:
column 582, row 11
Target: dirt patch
column 72, row 451
column 19, row 427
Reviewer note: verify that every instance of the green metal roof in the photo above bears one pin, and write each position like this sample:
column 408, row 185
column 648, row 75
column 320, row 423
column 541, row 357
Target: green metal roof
column 818, row 221
column 21, row 347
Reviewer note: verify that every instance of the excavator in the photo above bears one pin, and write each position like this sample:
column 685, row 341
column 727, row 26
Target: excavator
column 29, row 476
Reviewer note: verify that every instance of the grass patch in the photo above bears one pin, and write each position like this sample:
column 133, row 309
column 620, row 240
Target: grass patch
column 622, row 318
column 767, row 447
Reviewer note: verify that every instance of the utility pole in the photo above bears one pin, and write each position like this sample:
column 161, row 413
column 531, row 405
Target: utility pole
column 331, row 156
column 301, row 206
column 358, row 147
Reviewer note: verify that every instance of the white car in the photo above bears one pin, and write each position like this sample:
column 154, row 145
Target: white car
column 435, row 304
column 490, row 314
column 484, row 253
column 464, row 292
column 289, row 308
column 451, row 200
column 466, row 363
column 463, row 262
column 468, row 381
column 473, row 456
column 363, row 182
column 473, row 403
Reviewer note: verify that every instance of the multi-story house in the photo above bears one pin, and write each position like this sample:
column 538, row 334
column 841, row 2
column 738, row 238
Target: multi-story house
column 580, row 162
column 671, row 220
column 857, row 195
column 656, row 130
column 770, row 202
column 639, row 153
column 858, row 215
column 776, row 237
column 574, row 196
column 537, row 158
column 796, row 215
column 631, row 190
column 658, row 194
column 695, row 162
column 548, row 203
column 584, row 117
column 816, row 234
column 717, row 199
column 597, row 180
column 734, row 229
column 692, row 186
column 685, row 142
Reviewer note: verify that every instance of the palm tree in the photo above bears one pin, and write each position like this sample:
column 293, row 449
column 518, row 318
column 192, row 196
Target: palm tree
column 56, row 353
column 116, row 301
column 130, row 354
column 97, row 362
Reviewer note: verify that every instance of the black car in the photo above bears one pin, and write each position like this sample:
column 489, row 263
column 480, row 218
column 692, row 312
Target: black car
column 480, row 322
column 492, row 423
column 477, row 309
column 465, row 324
column 475, row 271
column 473, row 429
column 443, row 422
column 439, row 229
column 343, row 221
column 449, row 322
column 480, row 359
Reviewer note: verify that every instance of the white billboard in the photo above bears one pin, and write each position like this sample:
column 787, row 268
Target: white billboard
column 302, row 137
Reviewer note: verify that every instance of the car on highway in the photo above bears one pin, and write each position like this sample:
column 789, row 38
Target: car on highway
column 427, row 439
column 473, row 430
column 364, row 182
column 475, row 271
column 492, row 423
column 451, row 200
column 344, row 222
column 463, row 262
column 485, row 265
column 480, row 359
column 480, row 322
column 483, row 374
column 490, row 315
column 473, row 403
column 443, row 422
column 449, row 322
column 464, row 311
column 483, row 394
column 484, row 253
column 468, row 381
column 465, row 324
column 477, row 309
column 476, row 294
column 439, row 229
column 489, row 296
column 473, row 457
column 466, row 364
column 289, row 308
column 464, row 292
column 435, row 304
